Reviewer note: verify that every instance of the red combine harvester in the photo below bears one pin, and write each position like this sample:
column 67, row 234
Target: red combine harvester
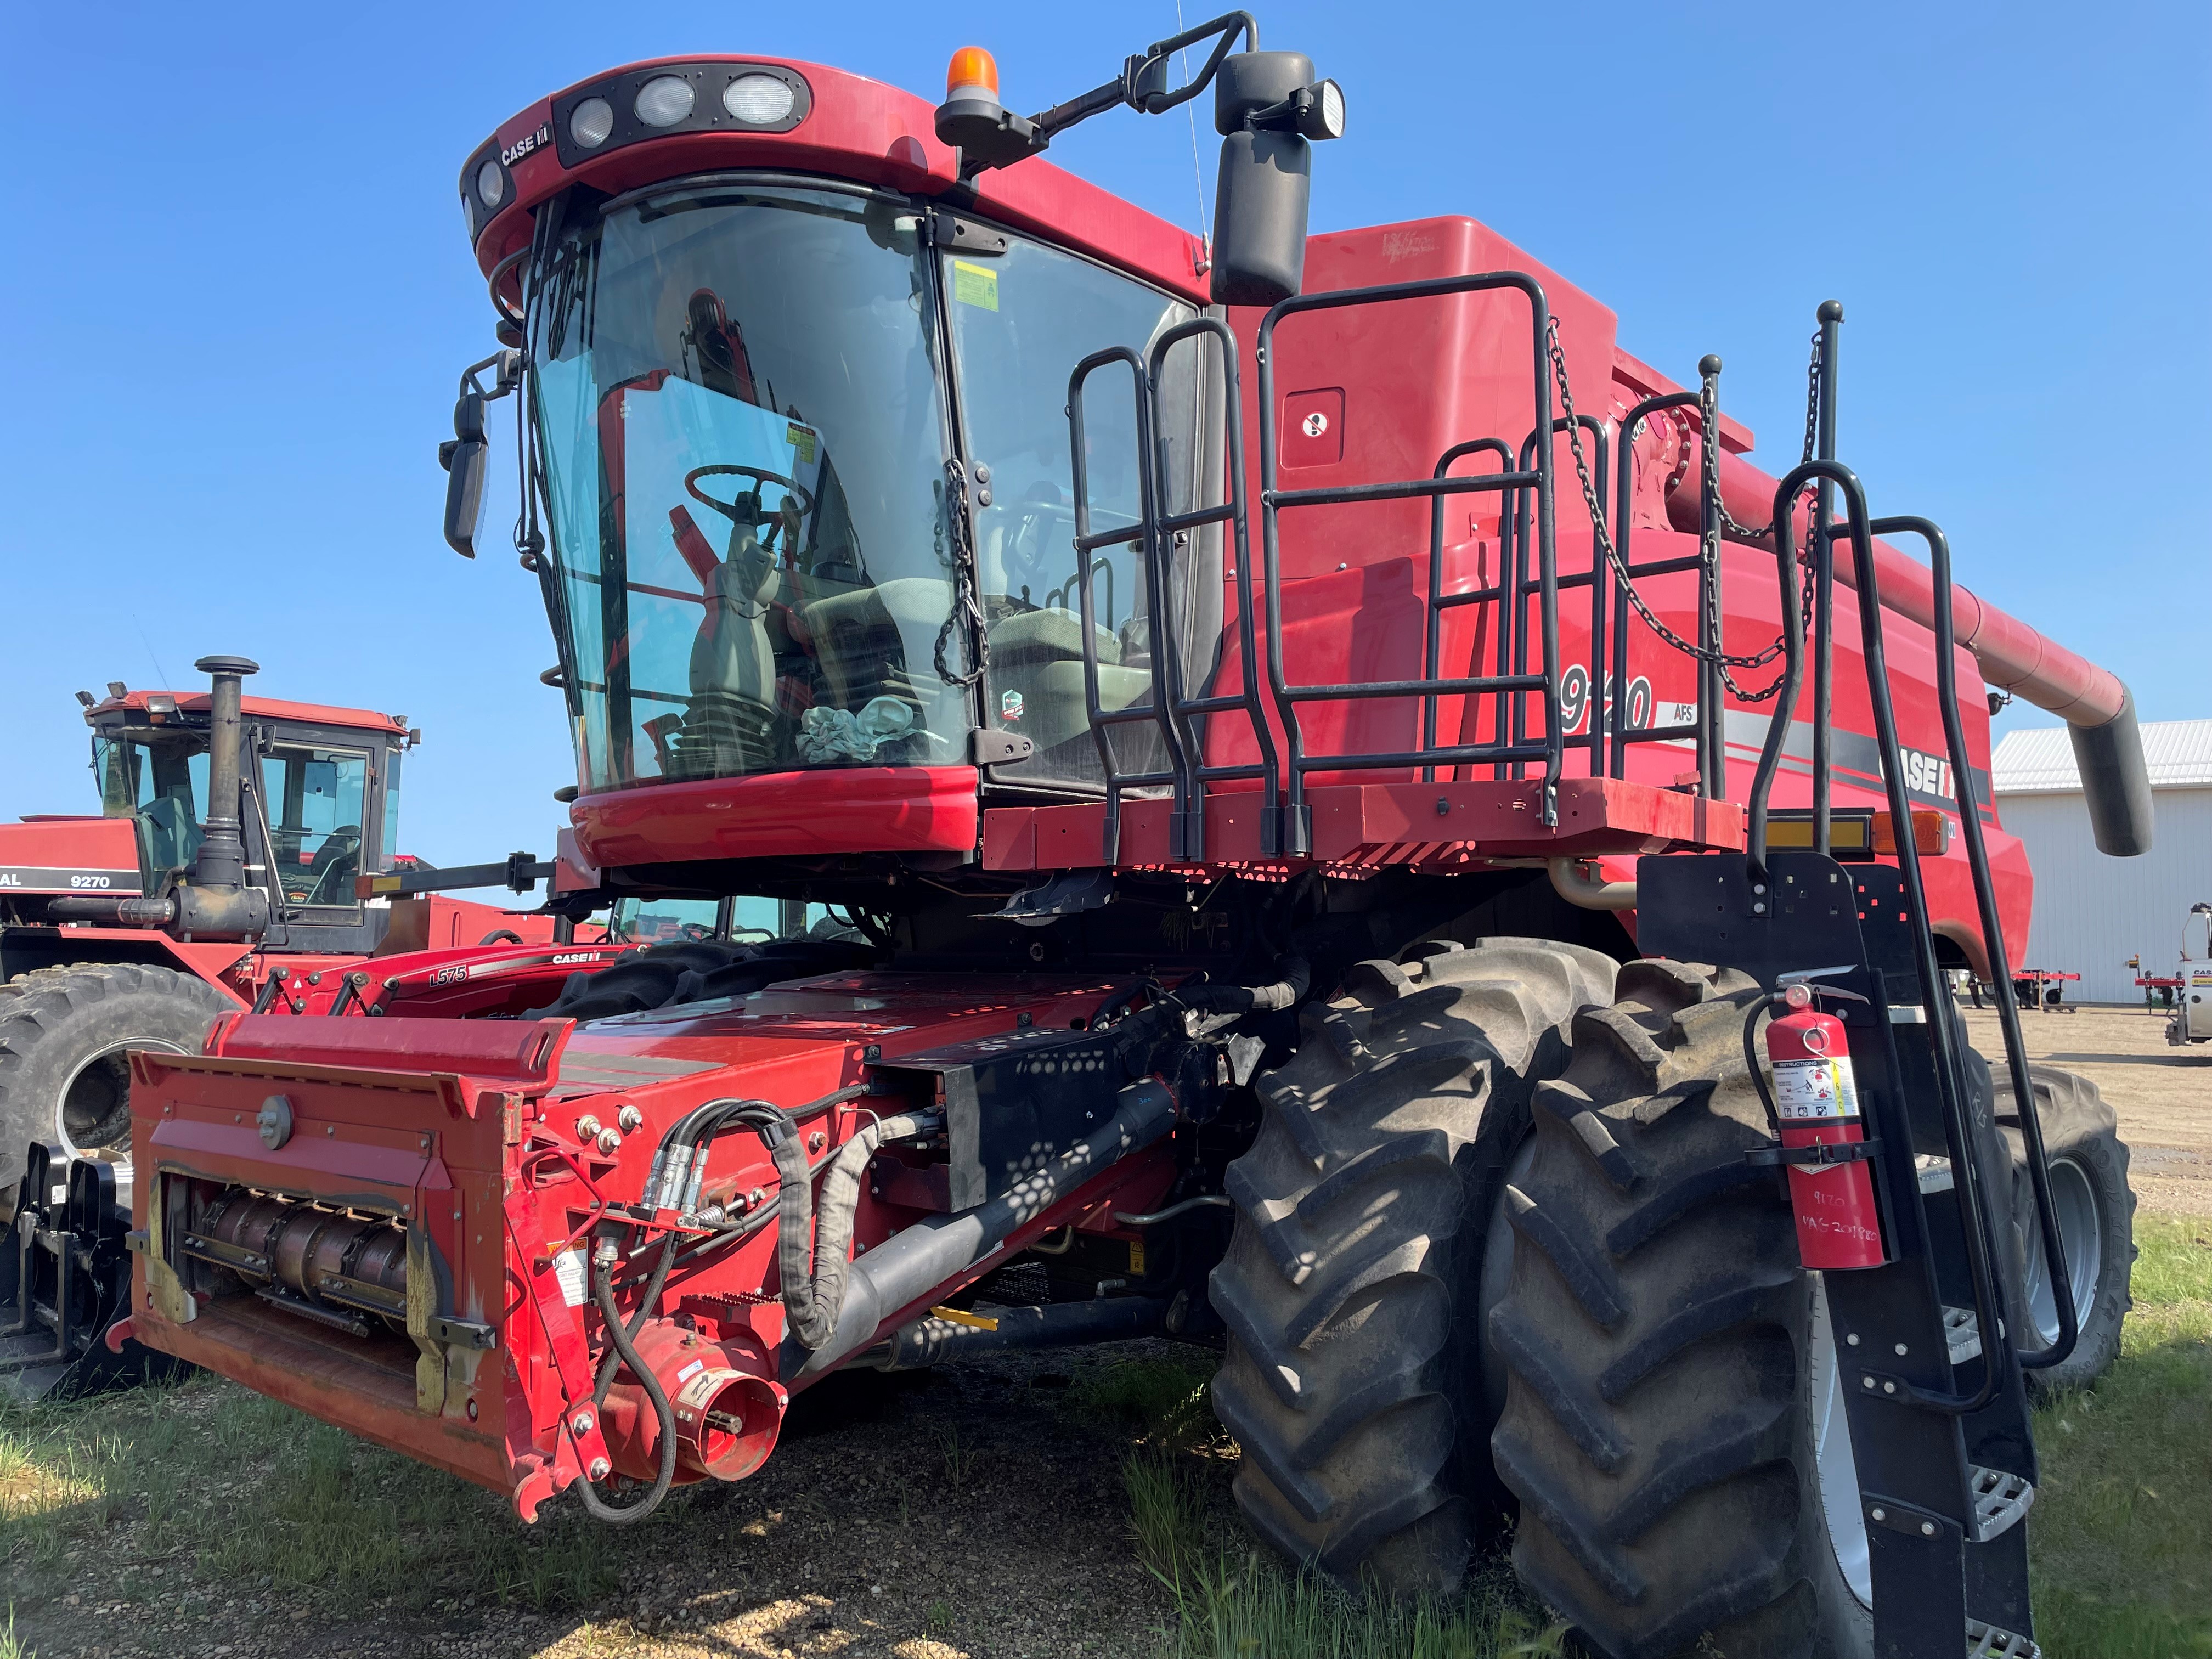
column 205, row 886
column 1293, row 724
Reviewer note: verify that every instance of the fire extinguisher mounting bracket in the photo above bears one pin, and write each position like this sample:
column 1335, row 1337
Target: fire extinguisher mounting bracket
column 1800, row 990
column 1819, row 1156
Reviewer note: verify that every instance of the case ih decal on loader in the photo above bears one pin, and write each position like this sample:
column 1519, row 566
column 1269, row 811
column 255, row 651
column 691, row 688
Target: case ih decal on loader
column 1244, row 930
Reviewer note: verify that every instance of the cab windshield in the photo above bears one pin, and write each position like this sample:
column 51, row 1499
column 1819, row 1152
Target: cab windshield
column 744, row 426
column 751, row 920
column 744, row 445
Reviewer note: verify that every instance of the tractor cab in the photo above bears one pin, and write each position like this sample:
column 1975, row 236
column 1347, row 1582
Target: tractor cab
column 319, row 800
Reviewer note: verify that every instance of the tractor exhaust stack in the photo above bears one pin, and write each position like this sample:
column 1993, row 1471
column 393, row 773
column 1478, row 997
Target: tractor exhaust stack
column 216, row 904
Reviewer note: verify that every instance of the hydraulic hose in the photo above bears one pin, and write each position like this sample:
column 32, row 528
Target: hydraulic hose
column 1285, row 992
column 621, row 1350
column 679, row 1162
column 814, row 1299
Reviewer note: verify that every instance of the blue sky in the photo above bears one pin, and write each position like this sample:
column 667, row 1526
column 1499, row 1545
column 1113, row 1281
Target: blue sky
column 238, row 297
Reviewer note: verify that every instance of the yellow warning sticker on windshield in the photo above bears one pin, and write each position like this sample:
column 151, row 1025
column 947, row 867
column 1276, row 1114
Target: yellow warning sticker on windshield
column 801, row 438
column 975, row 285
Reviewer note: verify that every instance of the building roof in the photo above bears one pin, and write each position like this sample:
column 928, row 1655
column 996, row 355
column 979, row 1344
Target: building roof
column 2177, row 754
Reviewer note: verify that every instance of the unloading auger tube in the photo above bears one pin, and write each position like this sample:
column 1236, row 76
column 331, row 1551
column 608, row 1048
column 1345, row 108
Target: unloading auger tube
column 2099, row 709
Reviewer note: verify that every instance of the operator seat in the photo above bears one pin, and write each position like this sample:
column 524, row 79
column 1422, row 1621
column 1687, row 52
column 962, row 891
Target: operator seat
column 1038, row 655
column 336, row 862
column 879, row 641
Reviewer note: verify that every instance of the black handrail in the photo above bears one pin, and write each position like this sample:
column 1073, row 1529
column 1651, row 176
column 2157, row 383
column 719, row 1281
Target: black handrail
column 1187, row 839
column 1440, row 601
column 1977, row 860
column 1622, row 531
column 1296, row 826
column 1142, row 534
column 1601, row 468
column 1950, row 1075
column 1830, row 315
column 1171, row 709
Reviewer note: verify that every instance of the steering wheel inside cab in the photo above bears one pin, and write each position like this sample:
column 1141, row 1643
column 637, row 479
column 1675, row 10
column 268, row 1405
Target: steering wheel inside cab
column 745, row 511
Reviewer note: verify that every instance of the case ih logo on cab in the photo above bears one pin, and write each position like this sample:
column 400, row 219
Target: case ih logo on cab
column 510, row 154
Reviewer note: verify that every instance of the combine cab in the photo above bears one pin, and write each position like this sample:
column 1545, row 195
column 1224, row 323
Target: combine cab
column 1356, row 830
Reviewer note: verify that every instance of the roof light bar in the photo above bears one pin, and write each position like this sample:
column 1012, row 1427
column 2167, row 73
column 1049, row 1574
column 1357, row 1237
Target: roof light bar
column 677, row 100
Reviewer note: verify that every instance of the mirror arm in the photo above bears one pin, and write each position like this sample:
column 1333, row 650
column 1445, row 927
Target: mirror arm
column 1127, row 86
column 507, row 364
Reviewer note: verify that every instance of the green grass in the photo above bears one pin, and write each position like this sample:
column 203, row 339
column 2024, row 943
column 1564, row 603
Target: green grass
column 1165, row 1401
column 1230, row 1601
column 158, row 1477
column 2121, row 1535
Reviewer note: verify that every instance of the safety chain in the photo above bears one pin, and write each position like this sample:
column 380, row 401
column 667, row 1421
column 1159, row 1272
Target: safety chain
column 1710, row 419
column 966, row 610
column 1709, row 414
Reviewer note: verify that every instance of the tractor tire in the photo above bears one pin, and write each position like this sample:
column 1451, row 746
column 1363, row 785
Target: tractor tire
column 1352, row 1288
column 65, row 1077
column 696, row 970
column 2096, row 1211
column 1670, row 1369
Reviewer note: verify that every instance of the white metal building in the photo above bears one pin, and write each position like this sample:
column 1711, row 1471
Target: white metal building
column 2093, row 913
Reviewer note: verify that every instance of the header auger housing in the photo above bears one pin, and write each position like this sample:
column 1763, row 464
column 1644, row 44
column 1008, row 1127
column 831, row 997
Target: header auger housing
column 1315, row 803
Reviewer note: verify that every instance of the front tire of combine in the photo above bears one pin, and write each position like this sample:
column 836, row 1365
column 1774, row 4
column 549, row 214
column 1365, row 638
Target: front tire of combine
column 2096, row 1211
column 65, row 1075
column 1352, row 1287
column 1671, row 1426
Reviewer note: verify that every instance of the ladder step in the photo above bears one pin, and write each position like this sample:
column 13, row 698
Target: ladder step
column 1934, row 1173
column 1988, row 1642
column 1962, row 1333
column 2000, row 1499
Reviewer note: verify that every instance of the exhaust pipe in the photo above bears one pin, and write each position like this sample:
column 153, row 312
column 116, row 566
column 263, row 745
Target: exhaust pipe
column 216, row 904
column 122, row 912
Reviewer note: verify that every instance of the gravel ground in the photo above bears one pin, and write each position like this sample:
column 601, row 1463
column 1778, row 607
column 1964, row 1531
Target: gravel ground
column 2163, row 1096
column 967, row 1514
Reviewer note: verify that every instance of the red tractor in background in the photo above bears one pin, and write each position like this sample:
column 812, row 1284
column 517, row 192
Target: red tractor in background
column 222, row 873
column 1341, row 855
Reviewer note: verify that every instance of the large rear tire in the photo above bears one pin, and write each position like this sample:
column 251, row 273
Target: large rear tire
column 64, row 1073
column 1352, row 1287
column 1670, row 1388
column 2096, row 1211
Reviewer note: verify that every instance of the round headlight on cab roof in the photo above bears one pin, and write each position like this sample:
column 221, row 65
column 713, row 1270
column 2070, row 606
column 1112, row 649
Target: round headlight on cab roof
column 759, row 100
column 664, row 100
column 590, row 123
column 491, row 185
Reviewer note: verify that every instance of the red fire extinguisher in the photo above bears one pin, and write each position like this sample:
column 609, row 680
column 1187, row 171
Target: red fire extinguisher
column 1838, row 1224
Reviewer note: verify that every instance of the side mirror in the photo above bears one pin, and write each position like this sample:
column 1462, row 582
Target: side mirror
column 464, row 458
column 1267, row 105
column 1259, row 217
